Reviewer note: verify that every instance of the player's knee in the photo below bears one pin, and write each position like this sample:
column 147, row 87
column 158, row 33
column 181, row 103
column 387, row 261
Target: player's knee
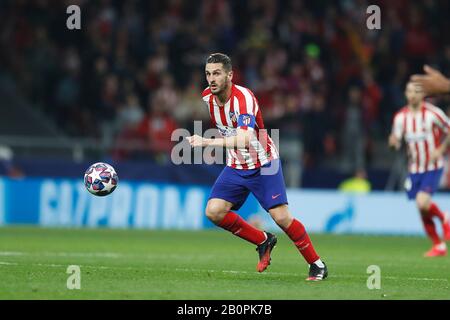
column 284, row 221
column 215, row 212
column 423, row 203
column 281, row 216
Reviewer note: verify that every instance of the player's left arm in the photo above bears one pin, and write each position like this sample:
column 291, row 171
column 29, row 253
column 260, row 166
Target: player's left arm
column 439, row 152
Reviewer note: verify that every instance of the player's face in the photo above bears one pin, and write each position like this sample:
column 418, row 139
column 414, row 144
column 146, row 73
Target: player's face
column 218, row 78
column 414, row 93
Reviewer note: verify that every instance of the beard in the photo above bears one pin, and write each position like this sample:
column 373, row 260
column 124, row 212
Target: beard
column 414, row 101
column 217, row 90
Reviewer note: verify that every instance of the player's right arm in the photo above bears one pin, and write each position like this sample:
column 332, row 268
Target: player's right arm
column 396, row 135
column 240, row 140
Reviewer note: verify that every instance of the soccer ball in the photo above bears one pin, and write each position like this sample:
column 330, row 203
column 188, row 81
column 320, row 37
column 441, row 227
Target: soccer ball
column 101, row 179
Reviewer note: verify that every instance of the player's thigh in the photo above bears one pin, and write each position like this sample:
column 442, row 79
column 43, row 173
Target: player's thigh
column 230, row 186
column 269, row 188
column 428, row 185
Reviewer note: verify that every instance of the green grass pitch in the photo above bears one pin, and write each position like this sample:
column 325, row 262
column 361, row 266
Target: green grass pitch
column 147, row 264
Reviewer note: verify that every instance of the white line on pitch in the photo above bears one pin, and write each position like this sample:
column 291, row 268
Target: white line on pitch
column 11, row 253
column 8, row 263
column 295, row 274
column 113, row 255
column 229, row 271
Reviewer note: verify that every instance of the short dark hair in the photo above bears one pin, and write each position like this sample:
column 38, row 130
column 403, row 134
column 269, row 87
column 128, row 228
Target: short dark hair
column 220, row 58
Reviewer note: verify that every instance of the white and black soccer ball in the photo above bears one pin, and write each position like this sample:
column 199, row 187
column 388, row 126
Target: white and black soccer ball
column 101, row 179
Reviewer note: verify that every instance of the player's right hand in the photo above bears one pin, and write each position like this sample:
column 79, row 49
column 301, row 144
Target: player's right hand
column 393, row 142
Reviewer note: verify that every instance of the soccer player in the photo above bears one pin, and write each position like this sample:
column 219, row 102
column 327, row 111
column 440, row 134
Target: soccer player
column 421, row 125
column 250, row 152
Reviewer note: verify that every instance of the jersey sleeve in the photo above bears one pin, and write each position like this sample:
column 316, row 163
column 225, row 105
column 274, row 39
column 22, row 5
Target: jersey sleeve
column 206, row 94
column 248, row 108
column 397, row 126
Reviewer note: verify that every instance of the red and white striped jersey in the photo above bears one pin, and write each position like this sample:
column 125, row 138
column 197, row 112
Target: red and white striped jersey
column 242, row 101
column 422, row 132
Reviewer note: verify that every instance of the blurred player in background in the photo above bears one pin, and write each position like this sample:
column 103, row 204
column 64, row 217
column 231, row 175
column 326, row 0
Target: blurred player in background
column 421, row 125
column 235, row 112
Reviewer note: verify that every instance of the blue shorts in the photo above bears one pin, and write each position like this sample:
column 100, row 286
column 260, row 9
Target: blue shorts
column 235, row 185
column 426, row 182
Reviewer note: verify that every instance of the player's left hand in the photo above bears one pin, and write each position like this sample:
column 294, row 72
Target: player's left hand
column 196, row 141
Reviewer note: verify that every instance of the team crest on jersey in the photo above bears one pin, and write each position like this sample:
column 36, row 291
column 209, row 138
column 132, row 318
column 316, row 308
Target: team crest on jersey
column 233, row 116
column 246, row 120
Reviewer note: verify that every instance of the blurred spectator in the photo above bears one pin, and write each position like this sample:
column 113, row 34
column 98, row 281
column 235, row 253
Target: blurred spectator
column 290, row 144
column 316, row 126
column 129, row 114
column 191, row 108
column 356, row 184
column 7, row 165
column 156, row 128
column 353, row 133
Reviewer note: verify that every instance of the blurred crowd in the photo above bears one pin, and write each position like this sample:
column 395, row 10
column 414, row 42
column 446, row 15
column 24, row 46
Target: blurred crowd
column 136, row 67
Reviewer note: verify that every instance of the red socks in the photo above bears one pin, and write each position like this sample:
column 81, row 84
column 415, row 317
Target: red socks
column 239, row 227
column 296, row 231
column 428, row 223
column 430, row 229
column 300, row 237
column 435, row 211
